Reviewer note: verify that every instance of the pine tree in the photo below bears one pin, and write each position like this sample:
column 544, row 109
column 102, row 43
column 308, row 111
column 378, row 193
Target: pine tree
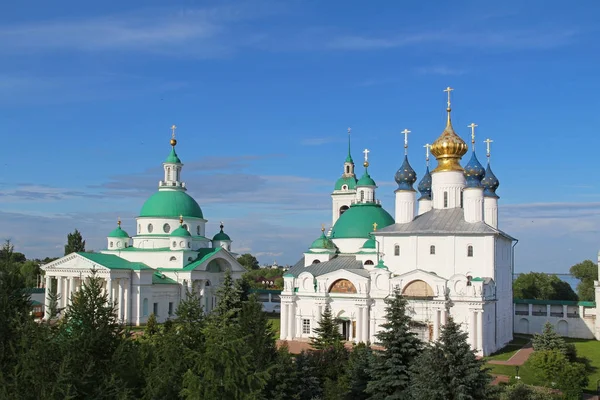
column 75, row 243
column 190, row 322
column 151, row 325
column 309, row 387
column 453, row 367
column 357, row 374
column 550, row 340
column 284, row 382
column 390, row 372
column 229, row 302
column 327, row 331
column 259, row 335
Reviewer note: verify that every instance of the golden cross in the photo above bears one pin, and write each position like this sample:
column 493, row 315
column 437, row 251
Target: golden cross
column 374, row 226
column 181, row 219
column 448, row 90
column 473, row 126
column 119, row 221
column 488, row 142
column 173, row 131
column 405, row 132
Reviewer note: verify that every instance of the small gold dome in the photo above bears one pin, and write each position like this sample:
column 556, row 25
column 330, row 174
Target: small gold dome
column 173, row 142
column 448, row 149
column 366, row 164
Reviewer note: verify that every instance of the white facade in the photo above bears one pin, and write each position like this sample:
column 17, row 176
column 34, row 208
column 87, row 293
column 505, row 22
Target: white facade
column 154, row 270
column 447, row 261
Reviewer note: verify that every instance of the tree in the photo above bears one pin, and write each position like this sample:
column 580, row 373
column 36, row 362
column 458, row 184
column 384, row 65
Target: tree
column 284, row 382
column 390, row 372
column 255, row 326
column 327, row 332
column 357, row 376
column 75, row 243
column 541, row 286
column 519, row 391
column 550, row 340
column 453, row 366
column 248, row 261
column 30, row 271
column 151, row 325
column 553, row 368
column 229, row 302
column 587, row 272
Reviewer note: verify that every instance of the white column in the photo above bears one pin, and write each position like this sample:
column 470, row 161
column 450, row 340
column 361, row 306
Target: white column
column 530, row 309
column 291, row 320
column 71, row 289
column 359, row 324
column 49, row 290
column 109, row 289
column 365, row 325
column 120, row 286
column 436, row 324
column 473, row 204
column 126, row 301
column 139, row 306
column 405, row 206
column 283, row 321
column 59, row 291
column 472, row 341
column 320, row 310
column 444, row 316
column 480, row 330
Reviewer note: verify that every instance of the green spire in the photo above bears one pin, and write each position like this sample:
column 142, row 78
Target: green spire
column 173, row 159
column 349, row 157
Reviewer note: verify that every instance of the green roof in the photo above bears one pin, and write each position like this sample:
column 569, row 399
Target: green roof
column 357, row 221
column 111, row 261
column 371, row 243
column 160, row 279
column 173, row 159
column 118, row 233
column 171, row 204
column 350, row 181
column 366, row 179
column 222, row 236
column 381, row 265
column 181, row 232
column 203, row 255
column 556, row 302
column 323, row 242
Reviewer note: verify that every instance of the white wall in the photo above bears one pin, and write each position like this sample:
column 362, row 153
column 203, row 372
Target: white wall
column 580, row 327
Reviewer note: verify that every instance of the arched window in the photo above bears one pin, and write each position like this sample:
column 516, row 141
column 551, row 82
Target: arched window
column 445, row 199
column 362, row 195
column 111, row 244
column 347, row 169
column 174, row 244
column 369, row 262
column 145, row 308
column 168, row 173
column 167, row 228
column 150, row 228
column 397, row 250
column 344, row 187
column 343, row 209
column 173, row 258
column 461, row 199
column 198, row 230
column 432, row 249
column 316, row 261
column 469, row 251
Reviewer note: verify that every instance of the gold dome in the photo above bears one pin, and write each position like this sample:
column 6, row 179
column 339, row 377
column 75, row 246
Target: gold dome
column 448, row 149
column 173, row 142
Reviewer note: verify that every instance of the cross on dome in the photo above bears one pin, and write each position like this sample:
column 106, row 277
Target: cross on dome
column 427, row 147
column 488, row 142
column 473, row 126
column 173, row 131
column 119, row 221
column 322, row 227
column 374, row 226
column 349, row 130
column 448, row 90
column 181, row 219
column 366, row 153
column 405, row 132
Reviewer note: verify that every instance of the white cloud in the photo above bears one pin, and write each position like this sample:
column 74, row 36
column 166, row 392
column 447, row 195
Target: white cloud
column 440, row 70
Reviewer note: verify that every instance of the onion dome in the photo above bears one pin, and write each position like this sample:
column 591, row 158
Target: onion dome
column 381, row 265
column 366, row 179
column 357, row 221
column 448, row 148
column 474, row 172
column 425, row 186
column 118, row 232
column 490, row 183
column 221, row 236
column 405, row 176
column 370, row 243
column 181, row 231
column 323, row 242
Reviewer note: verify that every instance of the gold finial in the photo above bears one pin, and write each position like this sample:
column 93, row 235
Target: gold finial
column 374, row 226
column 119, row 221
column 323, row 228
column 427, row 147
column 366, row 153
column 488, row 142
column 472, row 126
column 181, row 219
column 173, row 140
column 405, row 132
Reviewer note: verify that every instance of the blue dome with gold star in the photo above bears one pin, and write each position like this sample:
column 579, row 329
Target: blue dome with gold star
column 405, row 177
column 474, row 172
column 490, row 183
column 425, row 186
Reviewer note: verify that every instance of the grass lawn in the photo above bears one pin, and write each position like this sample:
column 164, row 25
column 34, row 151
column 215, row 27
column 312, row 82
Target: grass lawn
column 275, row 322
column 510, row 349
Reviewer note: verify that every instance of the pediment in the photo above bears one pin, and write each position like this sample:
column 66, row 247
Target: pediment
column 73, row 262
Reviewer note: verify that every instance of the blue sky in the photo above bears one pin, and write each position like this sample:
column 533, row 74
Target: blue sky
column 262, row 93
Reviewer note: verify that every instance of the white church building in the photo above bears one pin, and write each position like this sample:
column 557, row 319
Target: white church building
column 153, row 270
column 444, row 251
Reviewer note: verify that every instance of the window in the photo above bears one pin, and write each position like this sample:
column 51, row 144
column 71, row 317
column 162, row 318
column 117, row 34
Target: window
column 432, row 249
column 174, row 244
column 469, row 251
column 461, row 199
column 170, row 308
column 469, row 277
column 189, row 245
column 139, row 228
column 155, row 309
column 173, row 258
column 347, row 169
column 167, row 228
column 397, row 250
column 182, row 244
column 145, row 308
column 306, row 326
column 198, row 230
column 168, row 173
column 316, row 261
column 344, row 187
column 111, row 244
column 362, row 195
column 189, row 258
column 185, row 226
column 150, row 228
column 369, row 262
column 445, row 199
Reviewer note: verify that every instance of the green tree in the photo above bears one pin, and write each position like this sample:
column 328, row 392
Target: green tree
column 453, row 366
column 30, row 271
column 327, row 333
column 284, row 382
column 7, row 252
column 520, row 391
column 587, row 272
column 255, row 326
column 75, row 243
column 151, row 325
column 541, row 286
column 390, row 372
column 553, row 368
column 357, row 376
column 229, row 296
column 550, row 340
column 248, row 261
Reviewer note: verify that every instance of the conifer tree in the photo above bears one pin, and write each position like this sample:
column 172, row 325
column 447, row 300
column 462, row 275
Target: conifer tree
column 284, row 382
column 390, row 371
column 229, row 298
column 258, row 333
column 327, row 333
column 151, row 326
column 75, row 243
column 453, row 366
column 357, row 374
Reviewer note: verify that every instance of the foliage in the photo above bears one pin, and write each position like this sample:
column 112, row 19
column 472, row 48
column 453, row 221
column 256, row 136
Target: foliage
column 550, row 340
column 541, row 286
column 327, row 332
column 587, row 272
column 452, row 364
column 390, row 371
column 357, row 374
column 229, row 295
column 259, row 335
column 256, row 277
column 248, row 261
column 151, row 325
column 519, row 391
column 284, row 381
column 555, row 369
column 30, row 270
column 75, row 243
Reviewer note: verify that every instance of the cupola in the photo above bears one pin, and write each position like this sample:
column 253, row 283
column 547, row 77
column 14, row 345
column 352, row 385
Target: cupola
column 448, row 148
column 118, row 238
column 490, row 182
column 181, row 238
column 474, row 171
column 221, row 239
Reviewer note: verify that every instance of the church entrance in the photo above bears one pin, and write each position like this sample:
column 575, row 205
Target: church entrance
column 345, row 328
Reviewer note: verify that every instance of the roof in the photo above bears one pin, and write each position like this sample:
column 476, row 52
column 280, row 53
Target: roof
column 323, row 242
column 171, row 204
column 357, row 221
column 444, row 221
column 347, row 263
column 221, row 236
column 181, row 232
column 118, row 233
column 203, row 255
column 350, row 181
column 366, row 179
column 160, row 279
column 556, row 302
column 111, row 261
column 173, row 158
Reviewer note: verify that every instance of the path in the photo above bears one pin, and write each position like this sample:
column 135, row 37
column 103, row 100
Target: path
column 518, row 358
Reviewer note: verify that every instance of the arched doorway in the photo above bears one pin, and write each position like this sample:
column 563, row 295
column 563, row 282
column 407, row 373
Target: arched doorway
column 562, row 328
column 524, row 325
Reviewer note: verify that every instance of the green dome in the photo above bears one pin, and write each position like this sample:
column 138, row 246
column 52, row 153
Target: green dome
column 381, row 265
column 118, row 233
column 350, row 181
column 181, row 232
column 357, row 221
column 173, row 159
column 171, row 204
column 370, row 243
column 323, row 242
column 366, row 180
column 222, row 236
